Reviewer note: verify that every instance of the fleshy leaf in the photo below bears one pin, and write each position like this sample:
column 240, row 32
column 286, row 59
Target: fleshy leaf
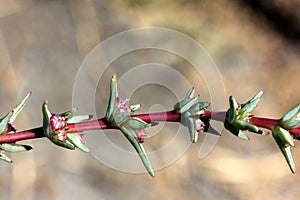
column 119, row 118
column 186, row 103
column 112, row 98
column 119, row 113
column 69, row 113
column 4, row 121
column 129, row 134
column 190, row 93
column 251, row 104
column 46, row 119
column 79, row 118
column 19, row 107
column 65, row 144
column 135, row 107
column 285, row 149
column 199, row 108
column 236, row 131
column 5, row 158
column 233, row 109
column 290, row 120
column 137, row 123
column 292, row 113
column 190, row 122
column 244, row 125
column 77, row 141
column 284, row 135
column 12, row 147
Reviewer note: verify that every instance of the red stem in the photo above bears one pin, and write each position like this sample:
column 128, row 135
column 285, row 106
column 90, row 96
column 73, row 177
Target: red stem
column 264, row 122
column 169, row 116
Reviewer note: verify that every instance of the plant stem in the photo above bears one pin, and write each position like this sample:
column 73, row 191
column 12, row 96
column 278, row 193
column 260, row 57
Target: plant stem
column 264, row 122
column 169, row 116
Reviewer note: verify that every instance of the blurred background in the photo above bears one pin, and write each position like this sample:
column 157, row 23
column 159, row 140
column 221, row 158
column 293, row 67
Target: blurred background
column 255, row 45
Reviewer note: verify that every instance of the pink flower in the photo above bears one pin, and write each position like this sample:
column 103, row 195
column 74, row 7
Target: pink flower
column 123, row 105
column 62, row 135
column 141, row 135
column 57, row 122
column 199, row 125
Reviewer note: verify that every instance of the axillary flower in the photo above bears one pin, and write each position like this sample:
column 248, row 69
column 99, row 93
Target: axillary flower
column 7, row 127
column 55, row 127
column 192, row 110
column 119, row 114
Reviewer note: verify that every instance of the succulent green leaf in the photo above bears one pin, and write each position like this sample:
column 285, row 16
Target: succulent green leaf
column 242, row 135
column 12, row 147
column 19, row 107
column 4, row 121
column 65, row 144
column 46, row 119
column 112, row 98
column 79, row 118
column 190, row 122
column 191, row 92
column 284, row 135
column 69, row 113
column 291, row 124
column 46, row 112
column 76, row 140
column 291, row 114
column 285, row 149
column 119, row 118
column 137, row 123
column 232, row 113
column 244, row 125
column 199, row 107
column 235, row 131
column 291, row 119
column 251, row 104
column 186, row 104
column 5, row 158
column 129, row 134
column 135, row 107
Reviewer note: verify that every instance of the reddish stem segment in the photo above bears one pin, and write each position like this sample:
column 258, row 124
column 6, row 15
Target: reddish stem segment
column 264, row 122
column 169, row 116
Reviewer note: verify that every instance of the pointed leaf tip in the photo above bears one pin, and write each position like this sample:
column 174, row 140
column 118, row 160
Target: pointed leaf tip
column 76, row 140
column 285, row 149
column 114, row 77
column 130, row 135
column 19, row 107
column 5, row 158
column 112, row 98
